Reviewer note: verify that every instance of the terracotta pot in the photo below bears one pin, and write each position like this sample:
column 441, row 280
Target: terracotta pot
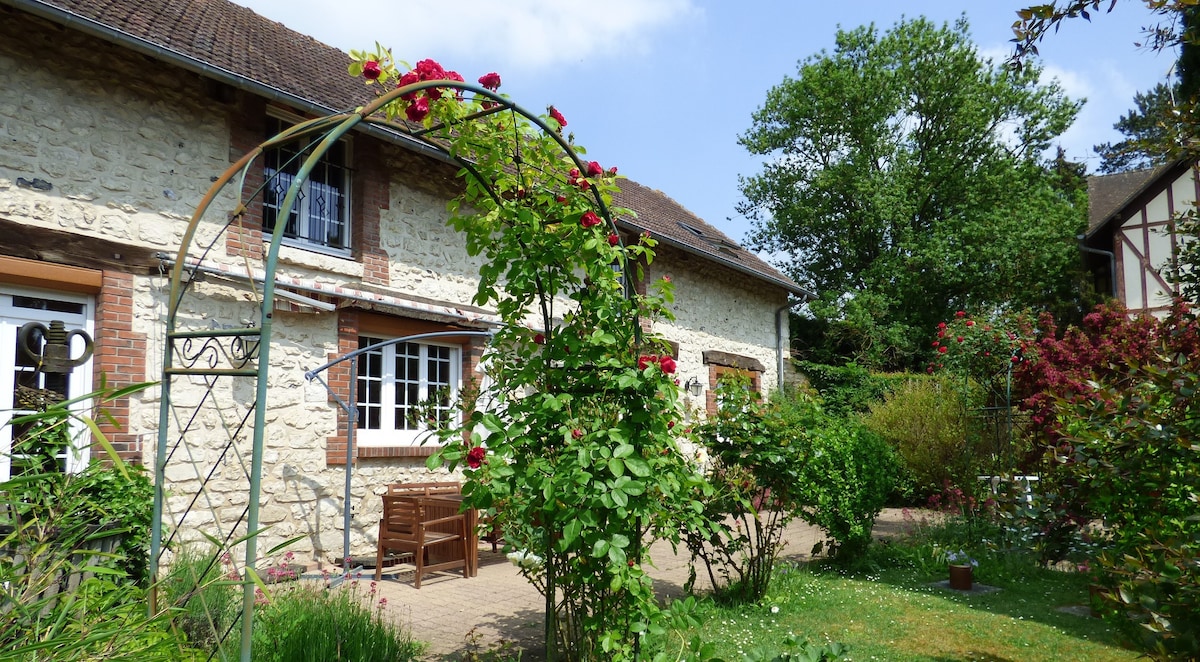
column 961, row 577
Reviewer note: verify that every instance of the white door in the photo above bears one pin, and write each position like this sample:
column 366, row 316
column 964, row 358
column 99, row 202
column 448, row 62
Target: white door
column 18, row 372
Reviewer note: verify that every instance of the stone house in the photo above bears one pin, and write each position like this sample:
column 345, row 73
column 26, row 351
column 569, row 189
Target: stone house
column 1130, row 239
column 115, row 116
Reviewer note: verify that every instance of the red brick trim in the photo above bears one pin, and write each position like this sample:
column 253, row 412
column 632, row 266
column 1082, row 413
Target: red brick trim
column 120, row 357
column 716, row 372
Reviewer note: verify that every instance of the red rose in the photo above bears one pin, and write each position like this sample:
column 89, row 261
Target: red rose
column 970, row 322
column 667, row 364
column 942, row 349
column 941, row 334
column 936, row 343
column 644, row 361
column 594, row 169
column 417, row 110
column 408, row 79
column 941, row 325
column 583, row 184
column 539, row 338
column 475, row 457
column 430, row 70
column 670, row 424
column 960, row 339
column 490, row 81
column 613, row 239
column 560, row 199
column 573, row 174
column 589, row 219
column 612, row 172
column 558, row 117
column 576, row 433
column 960, row 314
column 371, row 70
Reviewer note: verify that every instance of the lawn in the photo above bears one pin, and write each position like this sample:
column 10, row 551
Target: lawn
column 896, row 614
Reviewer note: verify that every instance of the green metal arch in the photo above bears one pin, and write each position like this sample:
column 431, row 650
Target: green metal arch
column 253, row 343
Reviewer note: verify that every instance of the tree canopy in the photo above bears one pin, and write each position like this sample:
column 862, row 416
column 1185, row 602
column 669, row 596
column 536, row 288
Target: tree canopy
column 905, row 179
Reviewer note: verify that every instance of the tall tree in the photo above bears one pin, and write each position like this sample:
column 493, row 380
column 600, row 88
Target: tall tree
column 1146, row 132
column 1164, row 124
column 904, row 180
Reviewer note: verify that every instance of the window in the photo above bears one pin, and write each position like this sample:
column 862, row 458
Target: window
column 21, row 385
column 405, row 390
column 321, row 213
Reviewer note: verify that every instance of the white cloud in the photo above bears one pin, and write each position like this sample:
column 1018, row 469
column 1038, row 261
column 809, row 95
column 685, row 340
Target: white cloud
column 524, row 34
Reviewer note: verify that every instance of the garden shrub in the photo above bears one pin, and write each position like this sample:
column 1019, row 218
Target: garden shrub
column 923, row 420
column 1135, row 454
column 756, row 466
column 848, row 474
column 785, row 458
column 305, row 622
column 847, row 389
column 50, row 523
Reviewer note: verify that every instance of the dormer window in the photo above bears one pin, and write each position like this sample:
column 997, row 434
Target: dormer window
column 320, row 217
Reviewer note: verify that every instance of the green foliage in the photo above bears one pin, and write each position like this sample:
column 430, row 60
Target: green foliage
column 1144, row 131
column 575, row 460
column 1163, row 125
column 204, row 598
column 770, row 462
column 1136, row 454
column 303, row 622
column 108, row 495
column 757, row 453
column 924, row 420
column 911, row 204
column 53, row 533
column 848, row 474
column 847, row 389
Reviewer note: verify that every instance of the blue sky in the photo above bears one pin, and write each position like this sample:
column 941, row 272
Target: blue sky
column 662, row 88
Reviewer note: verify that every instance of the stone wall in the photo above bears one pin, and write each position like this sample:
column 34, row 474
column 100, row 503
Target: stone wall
column 125, row 148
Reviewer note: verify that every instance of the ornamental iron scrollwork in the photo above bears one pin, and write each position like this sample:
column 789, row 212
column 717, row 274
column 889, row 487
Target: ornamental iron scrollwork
column 217, row 352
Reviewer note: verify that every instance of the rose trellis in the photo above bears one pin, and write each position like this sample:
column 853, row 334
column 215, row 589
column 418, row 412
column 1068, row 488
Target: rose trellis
column 574, row 455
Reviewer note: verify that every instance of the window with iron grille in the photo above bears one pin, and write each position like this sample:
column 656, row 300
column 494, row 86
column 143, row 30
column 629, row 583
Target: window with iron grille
column 320, row 217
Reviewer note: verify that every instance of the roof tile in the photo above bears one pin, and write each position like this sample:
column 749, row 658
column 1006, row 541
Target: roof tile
column 234, row 38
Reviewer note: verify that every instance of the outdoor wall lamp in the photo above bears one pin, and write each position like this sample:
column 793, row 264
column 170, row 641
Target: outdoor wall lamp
column 694, row 387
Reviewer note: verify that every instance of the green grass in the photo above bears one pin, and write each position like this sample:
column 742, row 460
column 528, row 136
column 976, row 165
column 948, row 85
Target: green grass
column 895, row 614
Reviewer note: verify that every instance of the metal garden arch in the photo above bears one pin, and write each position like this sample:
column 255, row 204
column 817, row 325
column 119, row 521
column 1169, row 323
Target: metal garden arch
column 215, row 366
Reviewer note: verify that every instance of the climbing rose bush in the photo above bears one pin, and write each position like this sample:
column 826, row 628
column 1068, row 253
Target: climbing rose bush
column 574, row 458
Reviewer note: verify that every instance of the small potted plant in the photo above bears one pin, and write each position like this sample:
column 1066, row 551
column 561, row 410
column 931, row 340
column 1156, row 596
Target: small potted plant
column 962, row 570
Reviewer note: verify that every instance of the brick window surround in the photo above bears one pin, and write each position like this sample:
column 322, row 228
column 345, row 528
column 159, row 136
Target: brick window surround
column 721, row 364
column 352, row 324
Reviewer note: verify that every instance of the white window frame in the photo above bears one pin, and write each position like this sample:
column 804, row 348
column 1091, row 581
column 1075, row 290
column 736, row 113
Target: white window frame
column 386, row 426
column 305, row 209
column 11, row 319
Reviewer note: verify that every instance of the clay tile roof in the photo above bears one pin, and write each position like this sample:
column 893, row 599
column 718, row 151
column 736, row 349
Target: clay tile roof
column 670, row 222
column 222, row 39
column 1109, row 194
column 231, row 38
